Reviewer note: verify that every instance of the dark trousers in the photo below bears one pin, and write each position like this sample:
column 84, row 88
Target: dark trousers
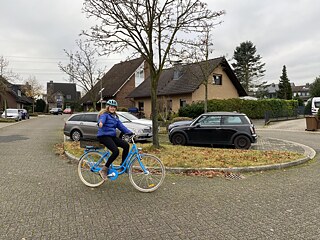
column 112, row 143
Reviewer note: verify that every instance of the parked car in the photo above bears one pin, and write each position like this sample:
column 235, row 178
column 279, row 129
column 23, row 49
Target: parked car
column 24, row 114
column 12, row 113
column 84, row 125
column 179, row 123
column 315, row 105
column 67, row 111
column 216, row 128
column 55, row 111
column 131, row 118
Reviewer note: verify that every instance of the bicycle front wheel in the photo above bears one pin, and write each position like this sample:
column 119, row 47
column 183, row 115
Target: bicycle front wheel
column 148, row 174
column 89, row 174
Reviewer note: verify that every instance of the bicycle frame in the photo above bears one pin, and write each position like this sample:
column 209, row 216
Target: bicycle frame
column 134, row 152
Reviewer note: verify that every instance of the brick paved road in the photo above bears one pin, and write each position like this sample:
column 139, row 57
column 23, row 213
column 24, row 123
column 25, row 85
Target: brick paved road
column 42, row 198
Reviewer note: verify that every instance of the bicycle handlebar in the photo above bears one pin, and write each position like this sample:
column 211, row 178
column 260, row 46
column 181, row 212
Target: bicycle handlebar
column 129, row 137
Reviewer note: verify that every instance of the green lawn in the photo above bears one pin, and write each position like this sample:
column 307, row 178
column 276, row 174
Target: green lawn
column 204, row 157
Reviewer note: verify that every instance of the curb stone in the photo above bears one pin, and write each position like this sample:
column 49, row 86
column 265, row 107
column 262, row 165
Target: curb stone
column 309, row 154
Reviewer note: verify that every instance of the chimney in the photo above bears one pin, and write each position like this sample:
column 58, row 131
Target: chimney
column 177, row 69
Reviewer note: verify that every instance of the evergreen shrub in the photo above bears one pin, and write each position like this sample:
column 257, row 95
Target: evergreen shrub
column 254, row 109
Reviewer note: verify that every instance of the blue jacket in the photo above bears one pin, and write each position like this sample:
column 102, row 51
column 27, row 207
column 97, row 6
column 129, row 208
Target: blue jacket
column 110, row 124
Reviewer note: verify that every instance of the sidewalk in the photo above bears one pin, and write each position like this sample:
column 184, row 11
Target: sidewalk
column 5, row 124
column 8, row 124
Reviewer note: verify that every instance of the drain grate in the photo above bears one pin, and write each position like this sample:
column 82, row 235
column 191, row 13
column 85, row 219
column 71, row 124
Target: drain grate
column 233, row 176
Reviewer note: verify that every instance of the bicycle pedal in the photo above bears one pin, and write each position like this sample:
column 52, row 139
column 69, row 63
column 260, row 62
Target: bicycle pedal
column 111, row 174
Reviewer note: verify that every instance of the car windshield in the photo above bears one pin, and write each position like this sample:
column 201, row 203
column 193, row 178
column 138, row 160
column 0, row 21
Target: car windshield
column 317, row 104
column 209, row 120
column 122, row 119
column 128, row 116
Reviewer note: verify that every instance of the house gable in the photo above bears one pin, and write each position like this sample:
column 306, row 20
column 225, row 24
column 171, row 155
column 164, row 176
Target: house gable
column 68, row 90
column 60, row 93
column 218, row 91
column 117, row 83
column 13, row 94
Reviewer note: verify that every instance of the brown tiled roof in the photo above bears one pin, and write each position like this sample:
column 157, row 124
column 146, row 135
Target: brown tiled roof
column 20, row 99
column 114, row 79
column 13, row 90
column 302, row 88
column 64, row 88
column 188, row 82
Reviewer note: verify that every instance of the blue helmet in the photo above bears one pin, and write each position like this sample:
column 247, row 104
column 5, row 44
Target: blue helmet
column 112, row 102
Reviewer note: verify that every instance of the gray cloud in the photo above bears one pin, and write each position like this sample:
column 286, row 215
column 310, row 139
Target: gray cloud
column 35, row 32
column 284, row 33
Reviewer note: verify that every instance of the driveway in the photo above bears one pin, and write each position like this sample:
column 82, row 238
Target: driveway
column 43, row 198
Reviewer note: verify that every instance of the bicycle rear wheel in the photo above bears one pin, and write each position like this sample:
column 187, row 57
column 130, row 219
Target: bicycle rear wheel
column 150, row 179
column 90, row 176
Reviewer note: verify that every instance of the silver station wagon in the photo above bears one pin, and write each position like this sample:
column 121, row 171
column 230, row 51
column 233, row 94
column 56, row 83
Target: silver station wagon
column 84, row 126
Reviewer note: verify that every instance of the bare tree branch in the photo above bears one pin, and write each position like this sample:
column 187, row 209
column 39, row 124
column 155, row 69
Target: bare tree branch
column 83, row 67
column 32, row 89
column 151, row 28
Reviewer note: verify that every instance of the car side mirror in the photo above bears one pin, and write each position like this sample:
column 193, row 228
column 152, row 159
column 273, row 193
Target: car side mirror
column 197, row 125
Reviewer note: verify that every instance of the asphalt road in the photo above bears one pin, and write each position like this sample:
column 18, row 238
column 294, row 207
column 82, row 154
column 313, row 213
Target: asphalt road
column 43, row 198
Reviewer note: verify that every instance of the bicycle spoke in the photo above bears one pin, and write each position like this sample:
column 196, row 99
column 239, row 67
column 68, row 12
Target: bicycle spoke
column 86, row 173
column 150, row 179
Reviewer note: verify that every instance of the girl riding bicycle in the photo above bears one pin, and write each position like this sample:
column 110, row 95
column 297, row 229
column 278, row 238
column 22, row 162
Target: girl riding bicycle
column 108, row 122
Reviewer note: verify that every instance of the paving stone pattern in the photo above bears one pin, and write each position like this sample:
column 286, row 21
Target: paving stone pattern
column 43, row 198
column 278, row 144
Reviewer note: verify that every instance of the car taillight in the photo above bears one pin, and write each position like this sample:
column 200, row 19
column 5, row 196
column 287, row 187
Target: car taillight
column 253, row 131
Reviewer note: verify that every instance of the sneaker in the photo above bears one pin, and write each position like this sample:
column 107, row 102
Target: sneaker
column 111, row 175
column 104, row 173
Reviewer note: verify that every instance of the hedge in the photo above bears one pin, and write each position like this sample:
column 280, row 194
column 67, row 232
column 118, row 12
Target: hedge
column 254, row 109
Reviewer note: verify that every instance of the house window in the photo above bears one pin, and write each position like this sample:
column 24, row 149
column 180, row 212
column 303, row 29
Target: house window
column 141, row 106
column 139, row 75
column 217, row 79
column 68, row 97
column 183, row 103
column 19, row 93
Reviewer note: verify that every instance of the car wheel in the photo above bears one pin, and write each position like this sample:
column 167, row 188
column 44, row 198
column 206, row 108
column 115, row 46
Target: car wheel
column 242, row 142
column 179, row 139
column 75, row 135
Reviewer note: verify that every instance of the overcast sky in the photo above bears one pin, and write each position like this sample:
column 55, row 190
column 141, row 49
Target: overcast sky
column 285, row 32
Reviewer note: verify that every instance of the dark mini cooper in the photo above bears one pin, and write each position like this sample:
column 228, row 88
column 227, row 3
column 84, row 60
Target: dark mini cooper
column 215, row 128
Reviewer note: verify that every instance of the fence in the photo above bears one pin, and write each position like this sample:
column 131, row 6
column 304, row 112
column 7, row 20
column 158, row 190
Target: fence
column 271, row 116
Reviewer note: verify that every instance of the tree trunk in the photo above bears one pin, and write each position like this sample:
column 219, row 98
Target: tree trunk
column 33, row 106
column 206, row 97
column 154, row 110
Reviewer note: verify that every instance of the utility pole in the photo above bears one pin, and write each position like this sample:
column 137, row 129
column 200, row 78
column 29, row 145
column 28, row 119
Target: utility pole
column 100, row 92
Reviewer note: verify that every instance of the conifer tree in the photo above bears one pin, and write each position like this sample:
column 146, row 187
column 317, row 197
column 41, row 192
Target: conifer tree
column 248, row 67
column 315, row 88
column 285, row 90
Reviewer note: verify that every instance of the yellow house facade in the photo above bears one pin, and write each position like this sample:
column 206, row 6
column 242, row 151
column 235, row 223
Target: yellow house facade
column 184, row 85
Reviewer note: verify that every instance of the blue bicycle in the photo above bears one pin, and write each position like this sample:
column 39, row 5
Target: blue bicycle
column 146, row 172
